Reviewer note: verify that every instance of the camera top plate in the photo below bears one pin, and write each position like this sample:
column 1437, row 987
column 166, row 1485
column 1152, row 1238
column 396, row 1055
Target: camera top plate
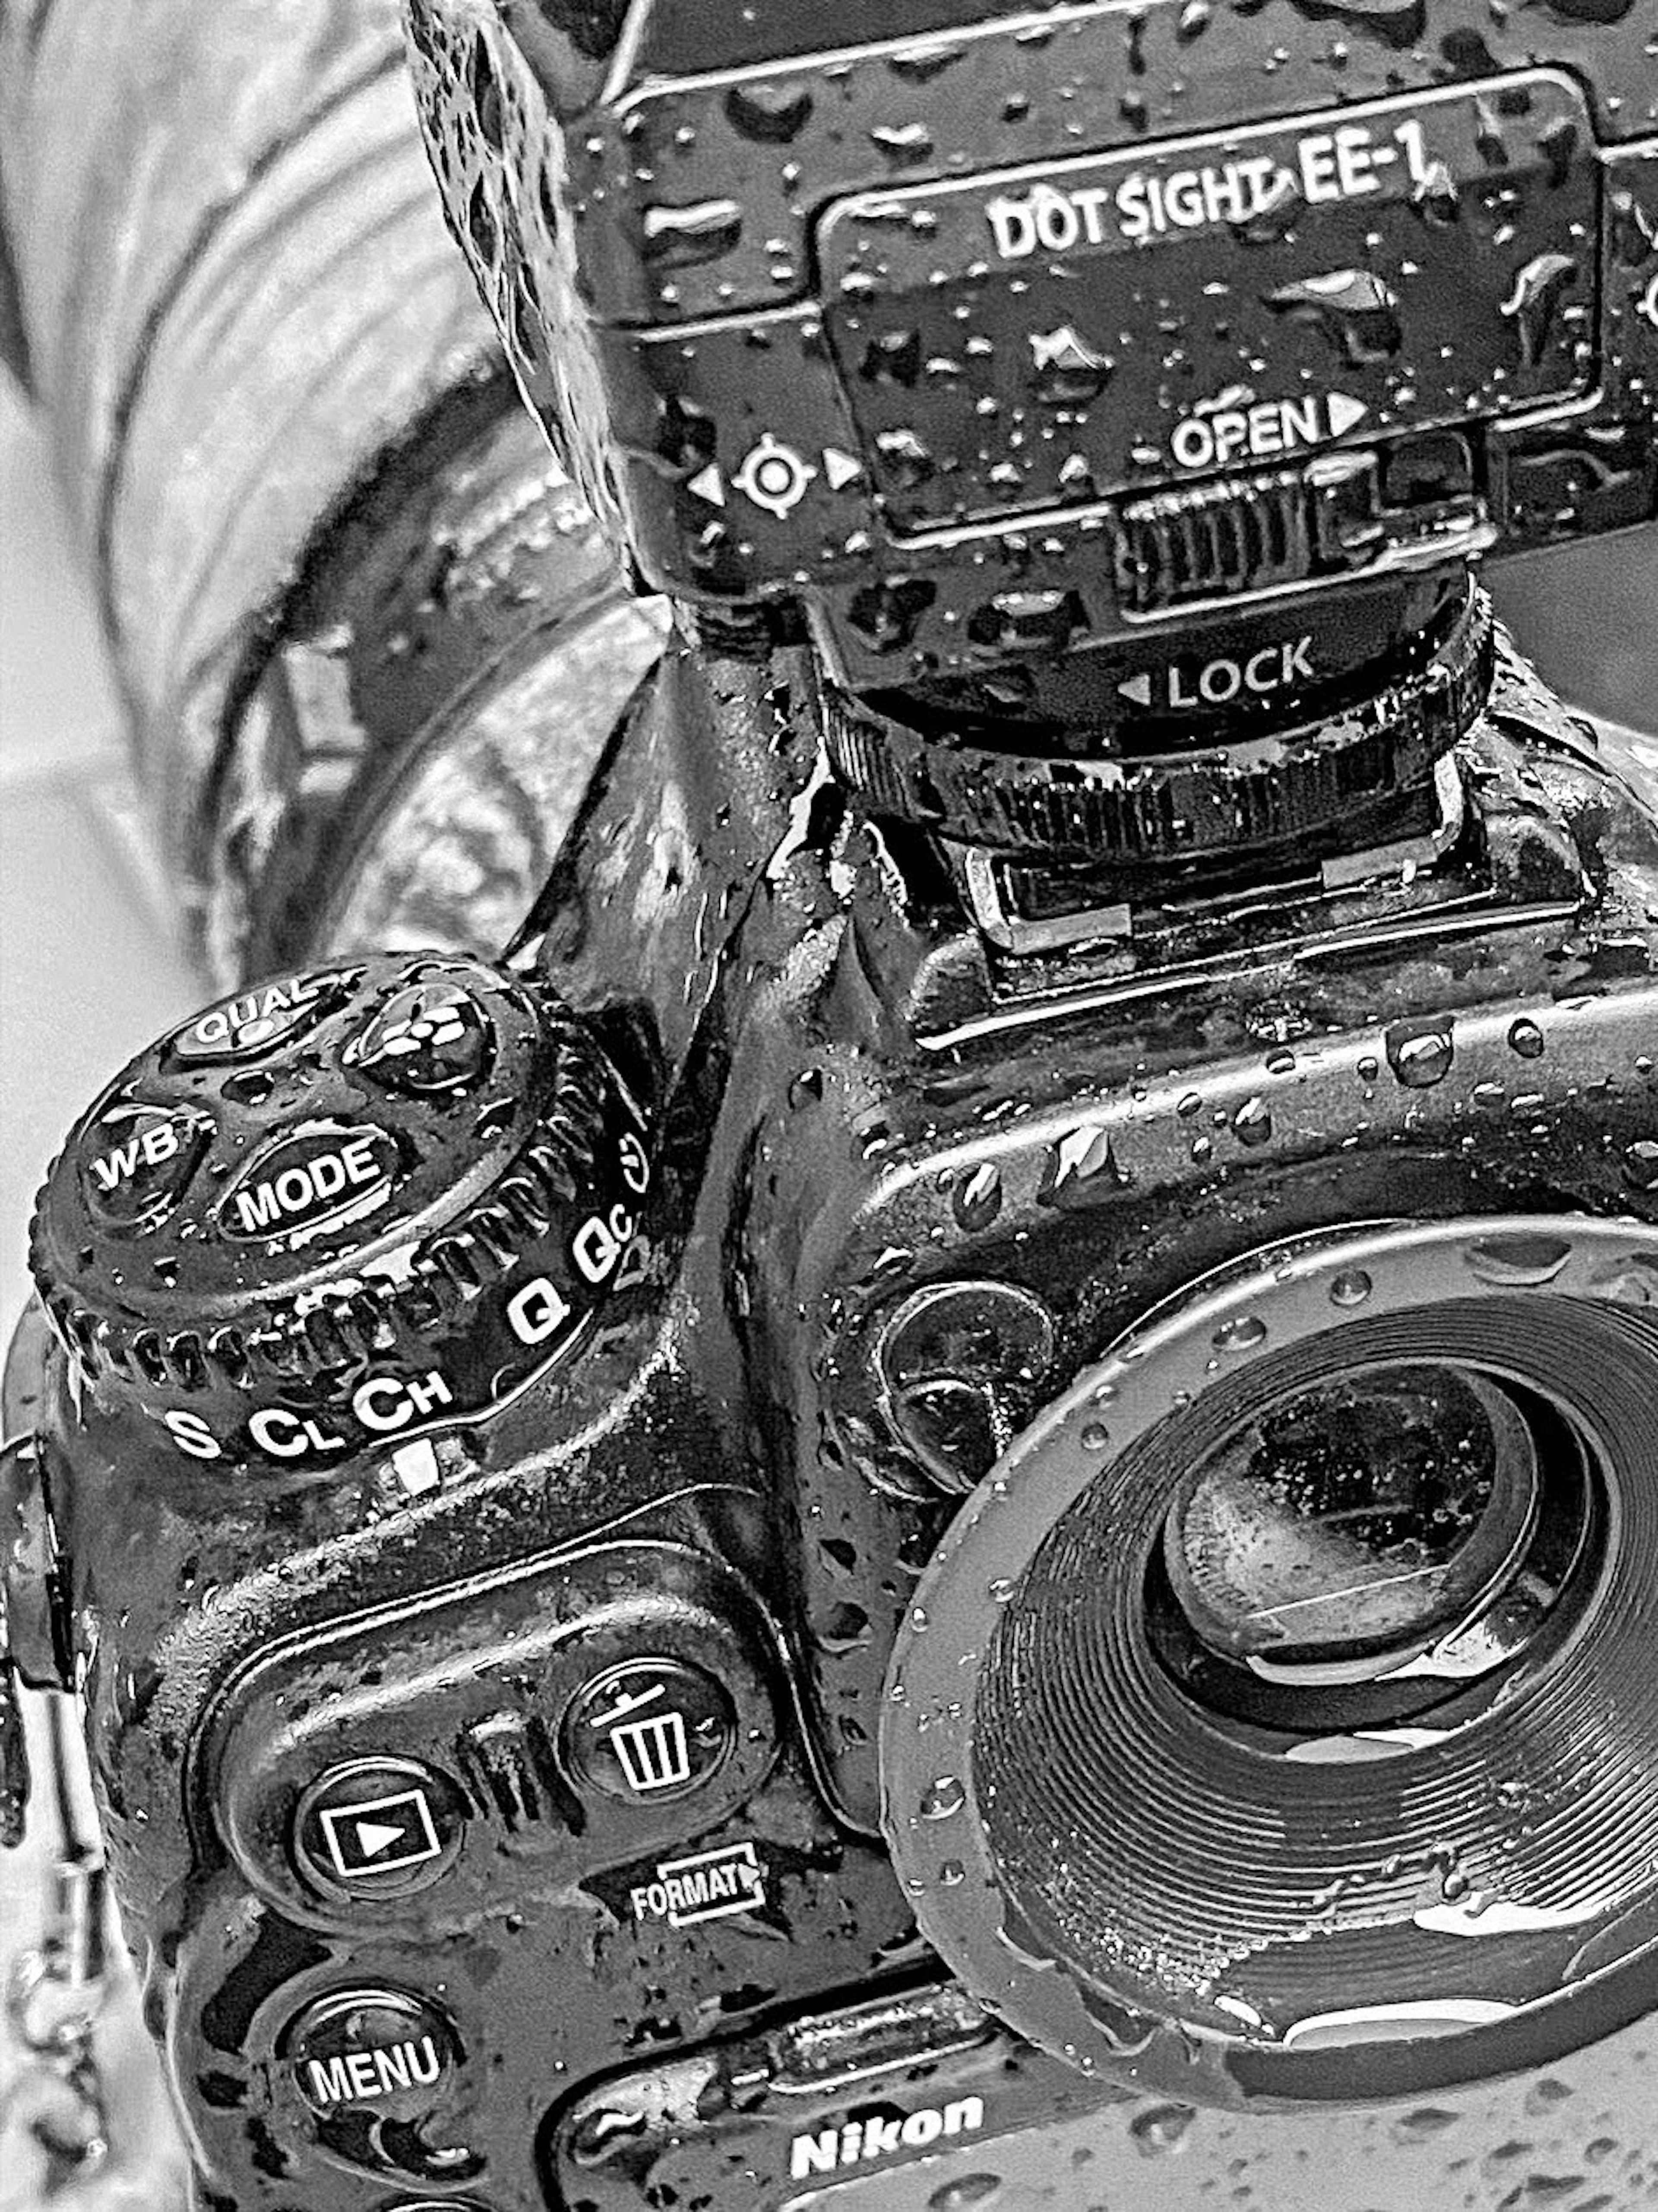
column 998, row 332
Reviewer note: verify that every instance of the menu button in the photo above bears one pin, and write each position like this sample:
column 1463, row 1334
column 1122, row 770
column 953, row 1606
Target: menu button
column 380, row 2050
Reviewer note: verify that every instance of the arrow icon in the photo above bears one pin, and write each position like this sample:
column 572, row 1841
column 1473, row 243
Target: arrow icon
column 708, row 484
column 1139, row 689
column 1345, row 412
column 383, row 1833
column 840, row 468
column 373, row 1837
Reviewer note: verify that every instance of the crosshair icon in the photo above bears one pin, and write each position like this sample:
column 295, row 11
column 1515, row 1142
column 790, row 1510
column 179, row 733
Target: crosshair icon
column 773, row 476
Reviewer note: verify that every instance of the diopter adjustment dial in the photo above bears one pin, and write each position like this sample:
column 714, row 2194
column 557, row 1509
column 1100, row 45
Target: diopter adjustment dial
column 342, row 1209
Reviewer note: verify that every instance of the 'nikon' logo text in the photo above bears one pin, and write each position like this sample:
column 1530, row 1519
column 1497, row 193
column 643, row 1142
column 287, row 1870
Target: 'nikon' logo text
column 856, row 2142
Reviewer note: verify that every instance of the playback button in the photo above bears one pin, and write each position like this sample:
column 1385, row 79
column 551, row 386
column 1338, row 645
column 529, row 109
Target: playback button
column 378, row 1828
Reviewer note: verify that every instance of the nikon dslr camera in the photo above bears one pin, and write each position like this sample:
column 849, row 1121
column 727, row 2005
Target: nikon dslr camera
column 951, row 1501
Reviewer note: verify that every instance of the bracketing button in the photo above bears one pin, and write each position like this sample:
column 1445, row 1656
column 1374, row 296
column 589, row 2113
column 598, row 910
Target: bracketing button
column 649, row 1729
column 136, row 1161
column 378, row 1828
column 380, row 2052
column 431, row 1036
column 253, row 1022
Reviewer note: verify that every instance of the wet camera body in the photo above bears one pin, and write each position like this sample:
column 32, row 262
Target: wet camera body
column 518, row 1431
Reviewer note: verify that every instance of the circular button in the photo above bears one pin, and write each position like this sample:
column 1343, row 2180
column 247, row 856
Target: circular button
column 136, row 1161
column 378, row 1828
column 649, row 1730
column 381, row 2054
column 253, row 1022
column 323, row 1175
column 431, row 1036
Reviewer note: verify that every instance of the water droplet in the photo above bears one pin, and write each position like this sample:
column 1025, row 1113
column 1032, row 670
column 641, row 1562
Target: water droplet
column 1420, row 1052
column 943, row 1797
column 903, row 143
column 1095, row 1435
column 1532, row 306
column 1202, row 1149
column 1435, row 198
column 1526, row 1038
column 1641, row 1164
column 1423, row 2124
column 1253, row 1123
column 952, row 1873
column 908, row 462
column 1369, row 1067
column 1281, row 1062
column 1160, row 2129
column 977, row 1200
column 1353, row 307
column 1068, row 371
column 1001, row 1588
column 964, row 2196
column 1240, row 1335
column 1190, row 1104
column 1630, row 1282
column 920, row 65
column 893, row 357
column 1526, row 1257
column 772, row 111
column 1081, row 1157
column 680, row 237
column 848, row 1629
column 1350, row 1287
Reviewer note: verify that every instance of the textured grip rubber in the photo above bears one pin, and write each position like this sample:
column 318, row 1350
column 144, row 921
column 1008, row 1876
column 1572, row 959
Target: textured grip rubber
column 342, row 1209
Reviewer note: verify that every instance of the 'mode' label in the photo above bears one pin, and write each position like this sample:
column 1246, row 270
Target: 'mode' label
column 320, row 1175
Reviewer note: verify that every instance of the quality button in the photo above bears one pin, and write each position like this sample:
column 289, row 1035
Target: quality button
column 255, row 1022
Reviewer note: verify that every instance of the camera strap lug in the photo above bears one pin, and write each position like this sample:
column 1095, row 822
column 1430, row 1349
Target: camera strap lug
column 57, row 1989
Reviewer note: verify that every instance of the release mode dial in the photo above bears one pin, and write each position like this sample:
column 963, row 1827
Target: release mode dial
column 343, row 1207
